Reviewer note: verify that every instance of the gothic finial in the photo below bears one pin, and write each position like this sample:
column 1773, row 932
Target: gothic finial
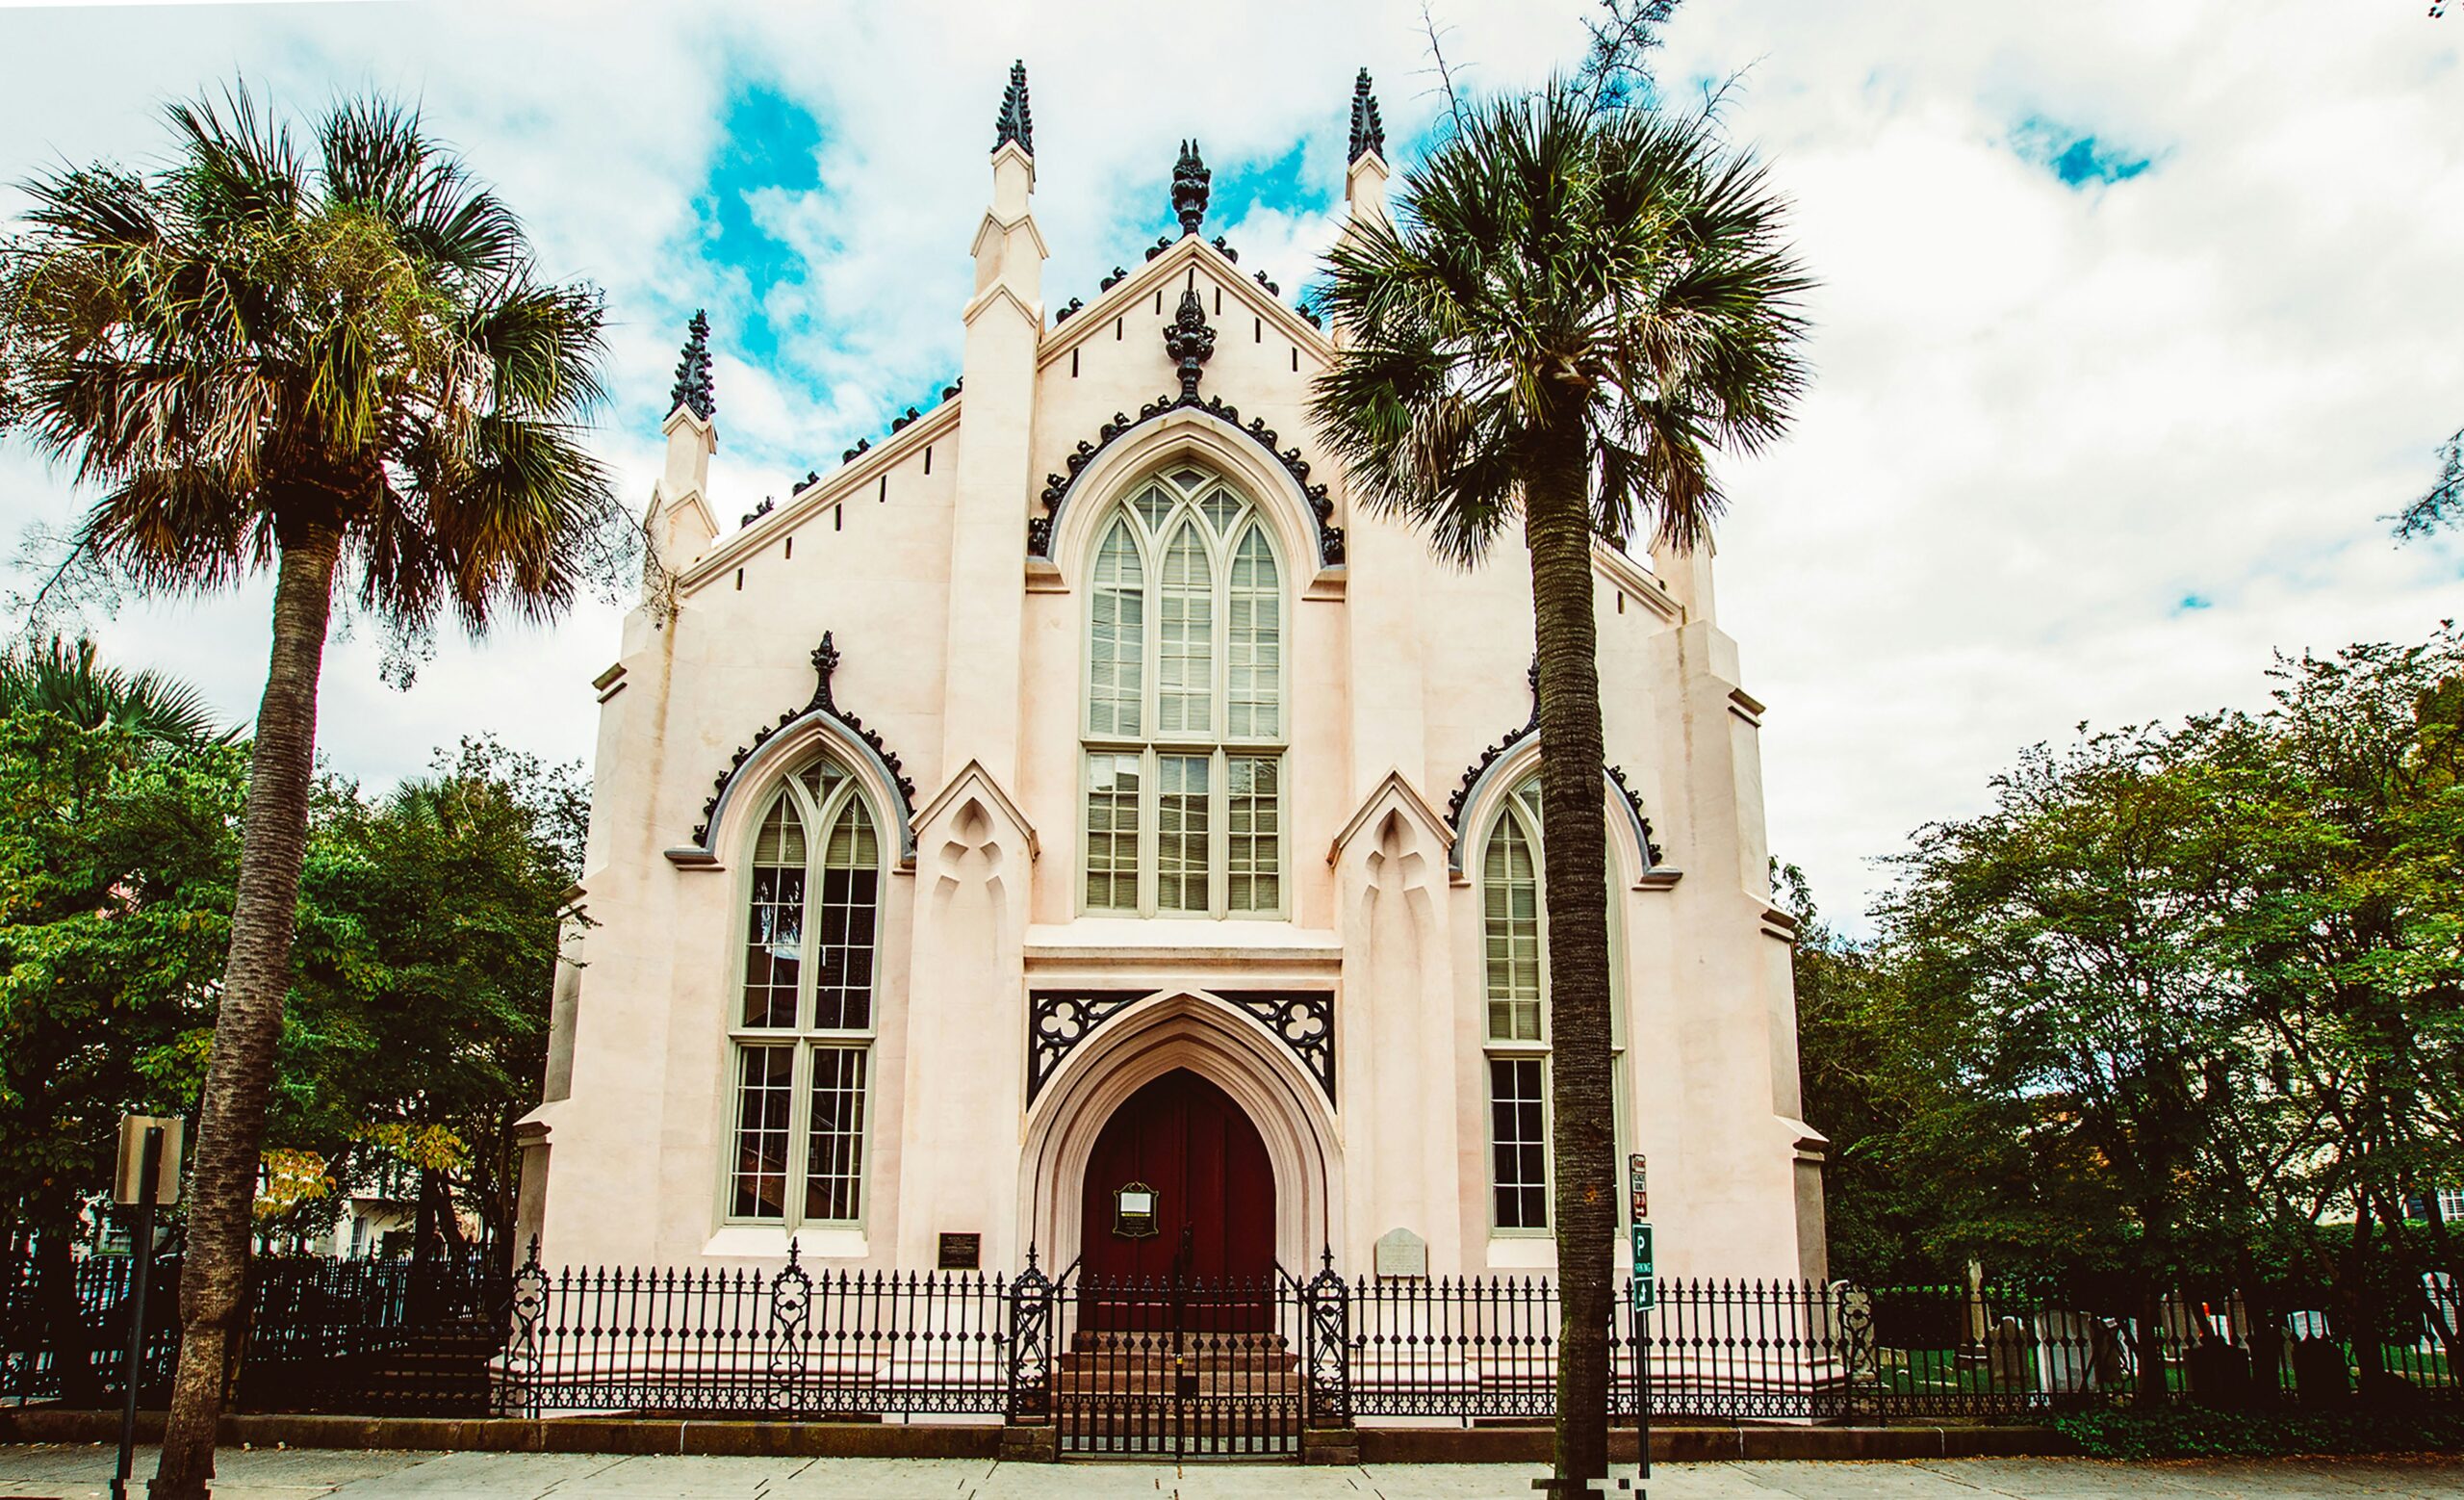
column 1016, row 122
column 1190, row 178
column 693, row 371
column 1190, row 341
column 1367, row 128
column 824, row 664
column 1533, row 677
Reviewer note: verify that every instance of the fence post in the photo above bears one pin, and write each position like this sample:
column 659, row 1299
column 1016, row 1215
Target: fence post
column 1860, row 1363
column 1327, row 1300
column 529, row 1302
column 790, row 1325
column 1030, row 1376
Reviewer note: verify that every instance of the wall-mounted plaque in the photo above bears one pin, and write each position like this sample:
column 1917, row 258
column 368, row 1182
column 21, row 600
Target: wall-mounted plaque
column 961, row 1252
column 1403, row 1253
column 1134, row 1209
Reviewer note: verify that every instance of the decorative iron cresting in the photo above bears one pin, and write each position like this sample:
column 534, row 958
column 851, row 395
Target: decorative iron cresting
column 1478, row 769
column 693, row 390
column 1060, row 1021
column 1057, row 487
column 1189, row 343
column 1190, row 180
column 1016, row 122
column 824, row 663
column 1368, row 127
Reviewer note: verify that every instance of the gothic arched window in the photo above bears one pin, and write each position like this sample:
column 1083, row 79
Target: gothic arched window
column 802, row 1032
column 1514, row 979
column 1185, row 717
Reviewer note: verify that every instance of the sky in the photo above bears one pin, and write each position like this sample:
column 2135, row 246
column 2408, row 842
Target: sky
column 2135, row 321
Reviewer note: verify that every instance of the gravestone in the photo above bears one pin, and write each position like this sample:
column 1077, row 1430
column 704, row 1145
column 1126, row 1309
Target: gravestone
column 2220, row 1374
column 2319, row 1377
column 2110, row 1354
column 2305, row 1324
column 2066, row 1352
column 2438, row 1289
column 2006, row 1354
column 1402, row 1255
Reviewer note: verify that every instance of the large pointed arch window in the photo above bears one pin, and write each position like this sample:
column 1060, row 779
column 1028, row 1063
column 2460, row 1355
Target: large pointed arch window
column 1514, row 984
column 802, row 1033
column 1185, row 712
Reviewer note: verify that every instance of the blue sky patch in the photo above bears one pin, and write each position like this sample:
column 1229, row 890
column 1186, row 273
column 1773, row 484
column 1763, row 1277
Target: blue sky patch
column 2081, row 159
column 2192, row 602
column 766, row 142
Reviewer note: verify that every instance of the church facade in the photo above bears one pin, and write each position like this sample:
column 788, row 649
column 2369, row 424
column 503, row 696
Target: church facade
column 1071, row 823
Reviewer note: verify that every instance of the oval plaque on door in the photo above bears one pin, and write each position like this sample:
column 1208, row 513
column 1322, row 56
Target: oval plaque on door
column 1134, row 1210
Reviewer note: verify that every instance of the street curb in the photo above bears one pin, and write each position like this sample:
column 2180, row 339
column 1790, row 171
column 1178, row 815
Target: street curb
column 1497, row 1444
column 1713, row 1444
column 513, row 1435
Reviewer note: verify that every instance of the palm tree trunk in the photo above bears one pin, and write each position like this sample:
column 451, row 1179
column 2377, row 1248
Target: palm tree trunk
column 248, row 1025
column 1573, row 838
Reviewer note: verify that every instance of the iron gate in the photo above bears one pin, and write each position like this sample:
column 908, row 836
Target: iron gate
column 1177, row 1367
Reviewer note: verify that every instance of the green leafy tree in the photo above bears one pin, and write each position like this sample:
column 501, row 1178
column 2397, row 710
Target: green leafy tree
column 429, row 973
column 1572, row 310
column 2075, row 922
column 117, row 859
column 336, row 361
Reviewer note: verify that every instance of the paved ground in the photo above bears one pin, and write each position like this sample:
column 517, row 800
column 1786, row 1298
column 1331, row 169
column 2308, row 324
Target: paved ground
column 50, row 1472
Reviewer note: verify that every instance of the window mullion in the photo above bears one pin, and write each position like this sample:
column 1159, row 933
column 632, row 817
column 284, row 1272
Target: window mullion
column 1218, row 833
column 799, row 1123
column 1150, row 838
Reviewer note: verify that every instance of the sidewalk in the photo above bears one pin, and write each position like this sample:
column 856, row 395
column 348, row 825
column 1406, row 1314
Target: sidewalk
column 49, row 1472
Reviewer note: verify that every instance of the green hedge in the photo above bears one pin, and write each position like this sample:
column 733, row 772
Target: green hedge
column 2193, row 1433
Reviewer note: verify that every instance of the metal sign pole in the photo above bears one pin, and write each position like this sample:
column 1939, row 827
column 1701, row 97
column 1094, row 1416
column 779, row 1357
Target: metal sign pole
column 149, row 1184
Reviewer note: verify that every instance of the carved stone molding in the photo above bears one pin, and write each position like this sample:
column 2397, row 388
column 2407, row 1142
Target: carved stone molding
column 1189, row 343
column 1058, row 488
column 1479, row 770
column 1302, row 1019
column 824, row 664
column 1060, row 1021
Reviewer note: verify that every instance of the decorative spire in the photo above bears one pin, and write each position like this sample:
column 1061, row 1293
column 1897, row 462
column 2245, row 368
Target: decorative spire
column 1190, row 341
column 1016, row 122
column 1190, row 178
column 1368, row 129
column 825, row 666
column 693, row 371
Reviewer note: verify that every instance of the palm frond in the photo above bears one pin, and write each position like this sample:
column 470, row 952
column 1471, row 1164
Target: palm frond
column 1553, row 263
column 252, row 343
column 70, row 682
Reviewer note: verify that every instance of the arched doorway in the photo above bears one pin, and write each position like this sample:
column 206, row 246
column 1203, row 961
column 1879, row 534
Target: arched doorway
column 1200, row 1191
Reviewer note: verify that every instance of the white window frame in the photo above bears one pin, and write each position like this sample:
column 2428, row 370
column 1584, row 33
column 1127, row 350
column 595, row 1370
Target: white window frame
column 1526, row 813
column 1152, row 745
column 819, row 815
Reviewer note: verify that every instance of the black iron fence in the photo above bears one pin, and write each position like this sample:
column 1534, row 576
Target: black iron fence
column 1188, row 1368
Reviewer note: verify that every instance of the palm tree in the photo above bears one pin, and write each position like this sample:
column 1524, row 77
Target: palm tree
column 55, row 677
column 1573, row 309
column 320, row 361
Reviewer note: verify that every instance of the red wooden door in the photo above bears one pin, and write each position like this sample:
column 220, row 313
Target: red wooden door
column 1187, row 1139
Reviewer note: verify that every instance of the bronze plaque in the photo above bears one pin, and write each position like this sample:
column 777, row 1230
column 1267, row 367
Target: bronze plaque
column 961, row 1252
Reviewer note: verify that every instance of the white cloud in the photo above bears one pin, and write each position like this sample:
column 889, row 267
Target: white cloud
column 2042, row 416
